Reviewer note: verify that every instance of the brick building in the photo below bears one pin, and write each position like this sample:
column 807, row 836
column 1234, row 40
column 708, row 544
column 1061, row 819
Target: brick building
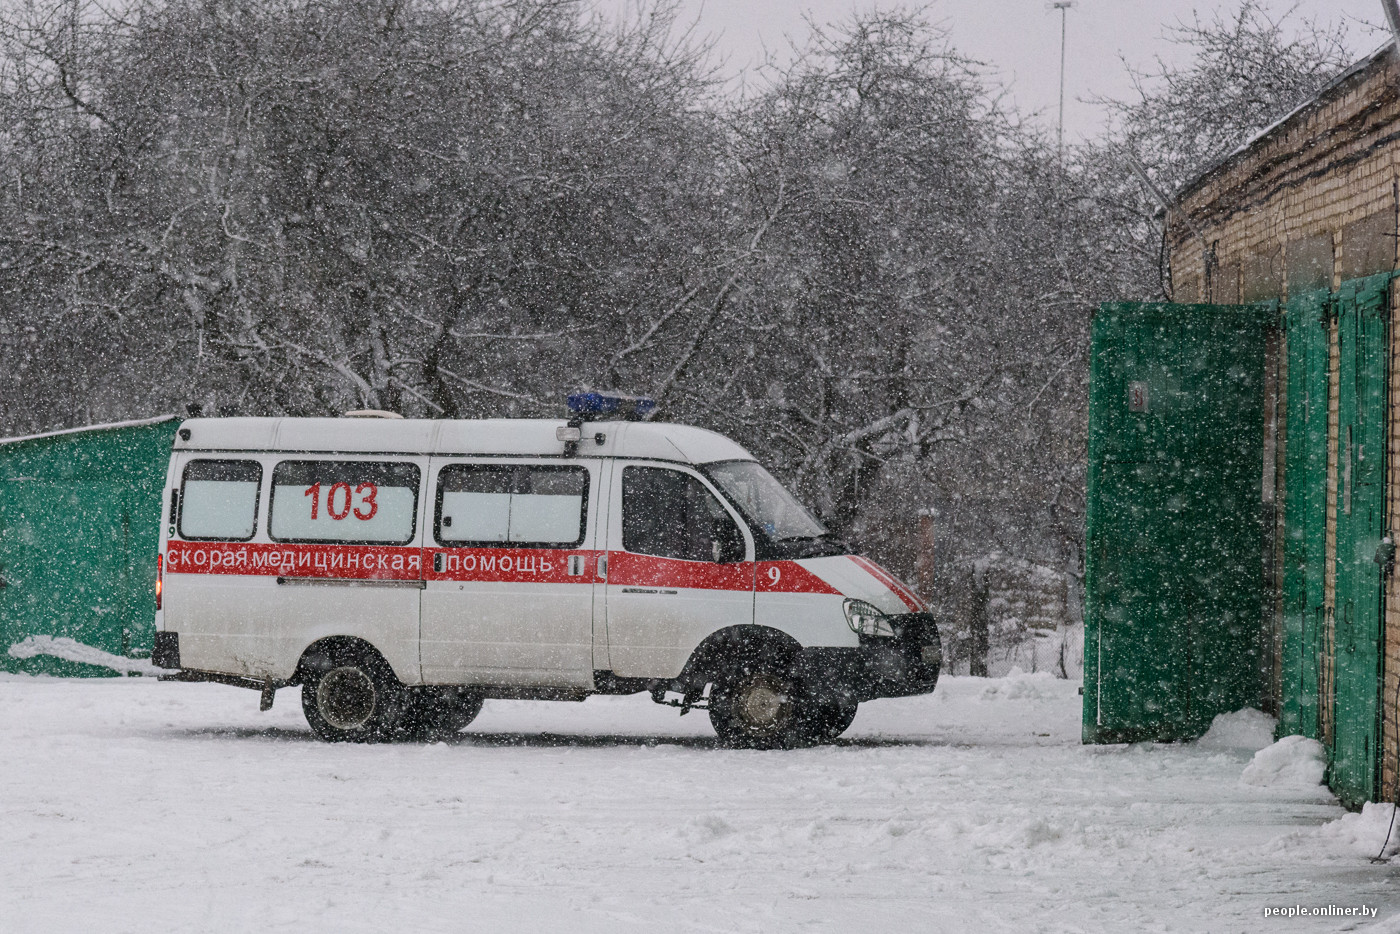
column 1282, row 258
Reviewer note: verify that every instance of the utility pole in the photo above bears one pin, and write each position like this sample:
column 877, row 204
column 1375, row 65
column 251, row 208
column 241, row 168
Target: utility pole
column 1064, row 6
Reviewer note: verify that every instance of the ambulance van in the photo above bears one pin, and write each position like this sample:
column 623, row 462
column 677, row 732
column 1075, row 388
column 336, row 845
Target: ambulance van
column 403, row 571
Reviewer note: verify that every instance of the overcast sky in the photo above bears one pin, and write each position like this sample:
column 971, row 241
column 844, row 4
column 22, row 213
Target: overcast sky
column 1020, row 39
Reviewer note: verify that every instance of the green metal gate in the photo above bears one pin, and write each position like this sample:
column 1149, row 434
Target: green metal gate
column 1304, row 511
column 1361, row 321
column 1174, row 591
column 80, row 517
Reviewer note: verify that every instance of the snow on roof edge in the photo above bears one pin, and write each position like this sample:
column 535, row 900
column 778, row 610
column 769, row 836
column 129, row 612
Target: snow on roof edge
column 1212, row 167
column 133, row 423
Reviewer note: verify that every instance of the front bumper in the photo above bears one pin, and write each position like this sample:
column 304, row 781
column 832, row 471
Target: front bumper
column 881, row 667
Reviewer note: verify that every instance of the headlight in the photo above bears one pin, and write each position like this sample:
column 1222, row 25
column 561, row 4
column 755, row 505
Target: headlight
column 866, row 619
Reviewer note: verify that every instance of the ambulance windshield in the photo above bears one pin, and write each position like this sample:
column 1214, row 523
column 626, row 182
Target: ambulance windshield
column 764, row 501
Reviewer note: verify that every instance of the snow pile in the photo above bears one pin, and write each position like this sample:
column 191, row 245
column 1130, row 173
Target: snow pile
column 962, row 810
column 1363, row 834
column 1042, row 831
column 1244, row 729
column 73, row 651
column 1291, row 762
column 1020, row 685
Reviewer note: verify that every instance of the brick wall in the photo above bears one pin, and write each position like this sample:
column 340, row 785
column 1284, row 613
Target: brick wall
column 1326, row 169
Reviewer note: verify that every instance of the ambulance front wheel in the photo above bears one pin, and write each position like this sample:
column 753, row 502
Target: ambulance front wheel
column 827, row 719
column 356, row 699
column 756, row 706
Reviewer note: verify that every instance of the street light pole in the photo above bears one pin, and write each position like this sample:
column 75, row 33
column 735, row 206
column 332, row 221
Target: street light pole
column 1064, row 6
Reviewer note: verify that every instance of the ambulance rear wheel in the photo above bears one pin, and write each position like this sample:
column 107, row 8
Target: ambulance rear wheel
column 756, row 706
column 357, row 699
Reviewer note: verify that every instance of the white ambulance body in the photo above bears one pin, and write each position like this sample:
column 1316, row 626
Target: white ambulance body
column 401, row 571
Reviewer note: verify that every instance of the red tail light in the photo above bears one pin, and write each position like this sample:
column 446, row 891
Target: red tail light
column 160, row 577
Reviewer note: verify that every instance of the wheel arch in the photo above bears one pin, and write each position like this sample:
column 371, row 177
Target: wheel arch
column 328, row 651
column 724, row 647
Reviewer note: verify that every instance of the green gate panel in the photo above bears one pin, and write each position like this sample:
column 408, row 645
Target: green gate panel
column 1174, row 589
column 1304, row 511
column 1363, row 339
column 80, row 521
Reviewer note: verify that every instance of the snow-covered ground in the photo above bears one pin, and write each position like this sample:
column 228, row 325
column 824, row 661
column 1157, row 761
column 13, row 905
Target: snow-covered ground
column 133, row 805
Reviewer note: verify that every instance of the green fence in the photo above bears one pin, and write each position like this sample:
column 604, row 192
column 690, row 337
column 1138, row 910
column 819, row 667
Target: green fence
column 79, row 529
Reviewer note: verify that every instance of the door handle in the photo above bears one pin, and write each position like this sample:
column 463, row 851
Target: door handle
column 603, row 566
column 353, row 582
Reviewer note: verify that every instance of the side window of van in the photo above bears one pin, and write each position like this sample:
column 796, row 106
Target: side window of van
column 219, row 500
column 672, row 515
column 525, row 505
column 351, row 502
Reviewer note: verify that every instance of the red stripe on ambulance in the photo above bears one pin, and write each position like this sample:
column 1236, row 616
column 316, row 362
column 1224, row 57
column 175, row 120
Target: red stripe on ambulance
column 494, row 565
column 354, row 562
column 628, row 570
column 512, row 565
column 624, row 570
column 789, row 577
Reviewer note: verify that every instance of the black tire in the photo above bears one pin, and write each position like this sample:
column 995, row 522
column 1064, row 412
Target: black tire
column 757, row 706
column 439, row 713
column 828, row 718
column 355, row 699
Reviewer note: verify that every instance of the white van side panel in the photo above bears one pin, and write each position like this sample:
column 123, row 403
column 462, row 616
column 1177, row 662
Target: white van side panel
column 251, row 608
column 514, row 632
column 251, row 626
column 504, row 614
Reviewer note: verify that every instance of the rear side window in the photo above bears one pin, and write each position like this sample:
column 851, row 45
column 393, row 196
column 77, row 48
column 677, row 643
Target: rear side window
column 525, row 505
column 352, row 502
column 219, row 500
column 672, row 515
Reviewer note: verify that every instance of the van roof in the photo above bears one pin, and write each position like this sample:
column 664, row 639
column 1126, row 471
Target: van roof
column 498, row 436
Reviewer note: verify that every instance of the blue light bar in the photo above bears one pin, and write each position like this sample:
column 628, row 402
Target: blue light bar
column 592, row 404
